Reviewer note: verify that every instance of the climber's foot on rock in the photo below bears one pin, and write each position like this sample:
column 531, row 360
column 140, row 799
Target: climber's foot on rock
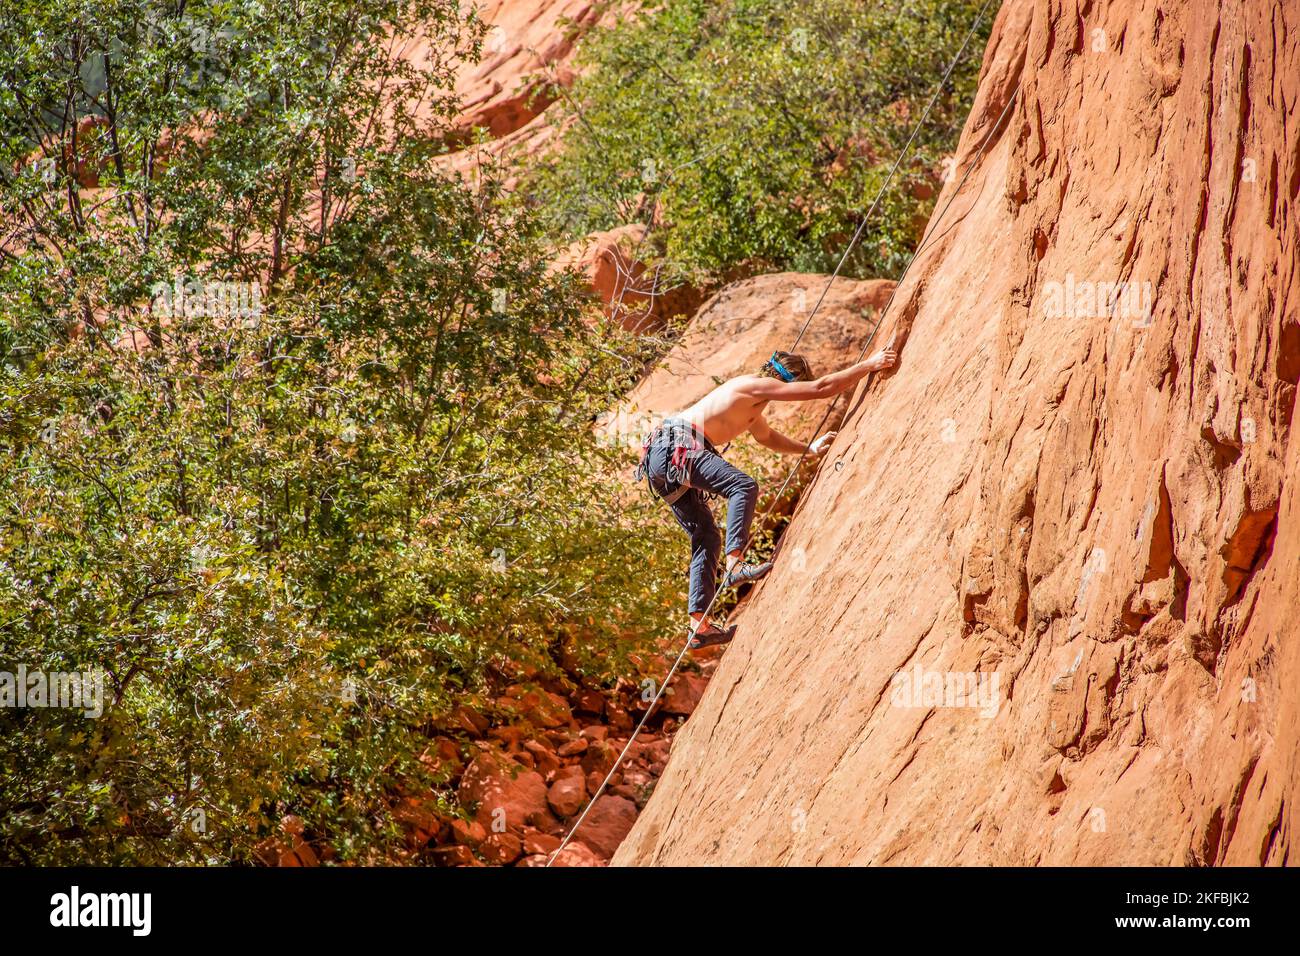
column 712, row 635
column 746, row 574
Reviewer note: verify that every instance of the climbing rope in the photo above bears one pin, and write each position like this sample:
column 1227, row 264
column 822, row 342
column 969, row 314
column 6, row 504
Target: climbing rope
column 625, row 276
column 857, row 234
column 681, row 655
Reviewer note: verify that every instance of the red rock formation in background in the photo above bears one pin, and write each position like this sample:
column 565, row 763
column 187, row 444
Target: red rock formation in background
column 525, row 56
column 620, row 271
column 1096, row 504
column 523, row 774
column 527, row 47
column 615, row 269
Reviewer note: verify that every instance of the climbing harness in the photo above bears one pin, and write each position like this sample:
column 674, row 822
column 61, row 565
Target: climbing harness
column 683, row 442
column 672, row 671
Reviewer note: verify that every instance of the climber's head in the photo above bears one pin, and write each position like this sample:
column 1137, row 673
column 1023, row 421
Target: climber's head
column 787, row 367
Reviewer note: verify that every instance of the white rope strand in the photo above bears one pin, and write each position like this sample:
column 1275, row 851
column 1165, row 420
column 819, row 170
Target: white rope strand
column 857, row 234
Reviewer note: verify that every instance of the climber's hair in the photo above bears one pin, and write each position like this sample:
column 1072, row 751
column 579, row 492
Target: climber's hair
column 796, row 365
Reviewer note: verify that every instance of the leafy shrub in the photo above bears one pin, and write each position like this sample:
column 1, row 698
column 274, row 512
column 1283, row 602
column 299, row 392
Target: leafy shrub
column 762, row 129
column 293, row 528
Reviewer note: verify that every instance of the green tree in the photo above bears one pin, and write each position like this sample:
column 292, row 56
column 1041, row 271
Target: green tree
column 296, row 427
column 760, row 131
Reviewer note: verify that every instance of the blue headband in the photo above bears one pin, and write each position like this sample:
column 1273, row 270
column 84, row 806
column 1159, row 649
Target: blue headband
column 785, row 373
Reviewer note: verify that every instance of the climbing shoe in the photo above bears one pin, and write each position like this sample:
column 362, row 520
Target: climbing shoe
column 711, row 635
column 747, row 574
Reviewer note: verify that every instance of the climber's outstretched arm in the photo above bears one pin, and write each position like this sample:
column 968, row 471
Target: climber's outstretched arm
column 769, row 437
column 774, row 390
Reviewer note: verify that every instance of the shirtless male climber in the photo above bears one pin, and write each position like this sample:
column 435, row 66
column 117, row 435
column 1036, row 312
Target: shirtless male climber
column 682, row 466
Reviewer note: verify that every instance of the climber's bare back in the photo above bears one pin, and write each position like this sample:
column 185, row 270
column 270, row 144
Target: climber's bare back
column 737, row 405
column 726, row 411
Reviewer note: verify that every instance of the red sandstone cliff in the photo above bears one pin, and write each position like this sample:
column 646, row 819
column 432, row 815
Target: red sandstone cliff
column 1097, row 505
column 503, row 95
